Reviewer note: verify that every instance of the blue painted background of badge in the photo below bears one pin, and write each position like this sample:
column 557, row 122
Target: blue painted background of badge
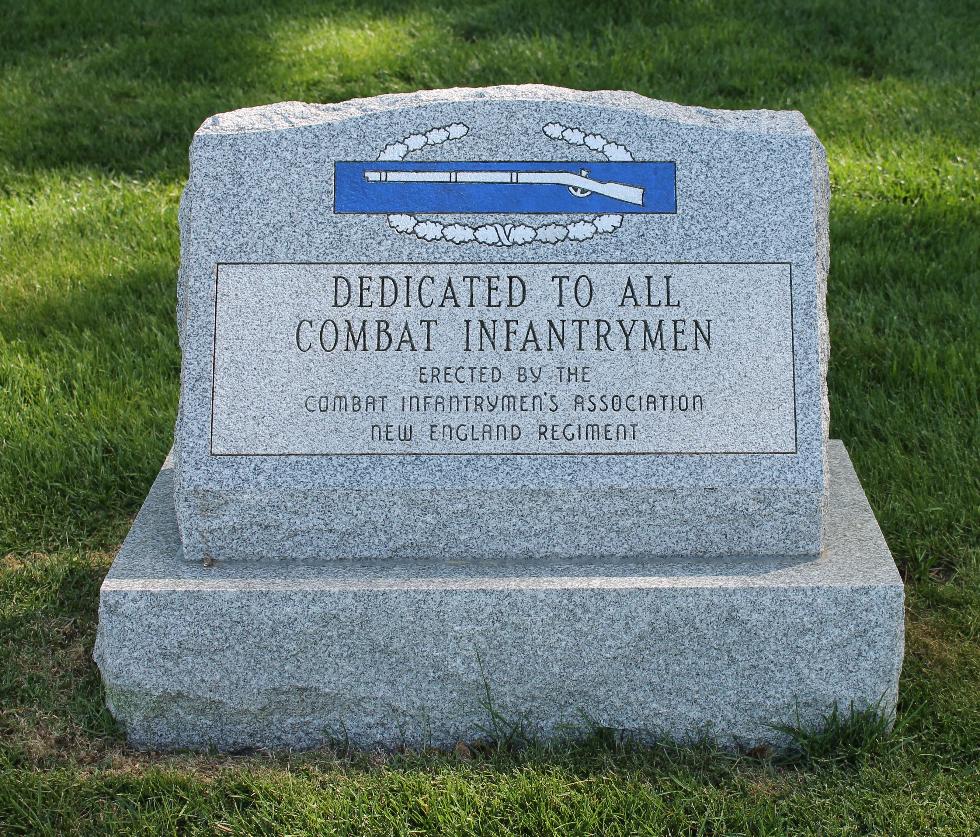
column 352, row 193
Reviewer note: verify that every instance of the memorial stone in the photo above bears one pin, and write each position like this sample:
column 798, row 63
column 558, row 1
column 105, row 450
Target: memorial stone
column 518, row 389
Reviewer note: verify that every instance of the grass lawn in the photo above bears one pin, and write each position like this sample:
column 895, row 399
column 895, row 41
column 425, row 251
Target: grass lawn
column 99, row 99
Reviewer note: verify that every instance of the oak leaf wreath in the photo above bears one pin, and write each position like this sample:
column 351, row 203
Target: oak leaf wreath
column 504, row 235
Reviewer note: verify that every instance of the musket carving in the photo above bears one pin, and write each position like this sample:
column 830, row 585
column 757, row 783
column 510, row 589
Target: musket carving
column 580, row 185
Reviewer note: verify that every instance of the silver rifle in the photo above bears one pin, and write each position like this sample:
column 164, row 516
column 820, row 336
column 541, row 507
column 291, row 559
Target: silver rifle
column 580, row 185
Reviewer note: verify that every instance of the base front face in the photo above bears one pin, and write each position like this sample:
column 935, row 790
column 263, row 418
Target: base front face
column 470, row 524
column 407, row 651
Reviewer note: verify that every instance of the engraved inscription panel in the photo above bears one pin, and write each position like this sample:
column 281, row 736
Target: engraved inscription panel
column 498, row 358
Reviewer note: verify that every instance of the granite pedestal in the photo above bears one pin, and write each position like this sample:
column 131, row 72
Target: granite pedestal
column 404, row 652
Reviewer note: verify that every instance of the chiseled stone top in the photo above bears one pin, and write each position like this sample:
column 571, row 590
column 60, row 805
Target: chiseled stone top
column 702, row 235
column 284, row 115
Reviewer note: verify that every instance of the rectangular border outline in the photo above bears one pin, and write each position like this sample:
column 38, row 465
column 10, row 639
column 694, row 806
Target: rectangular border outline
column 485, row 212
column 792, row 343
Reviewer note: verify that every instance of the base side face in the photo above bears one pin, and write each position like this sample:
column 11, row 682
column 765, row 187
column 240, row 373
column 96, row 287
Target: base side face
column 243, row 655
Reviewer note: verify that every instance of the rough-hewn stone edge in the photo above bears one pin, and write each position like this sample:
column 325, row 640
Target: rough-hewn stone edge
column 821, row 232
column 285, row 115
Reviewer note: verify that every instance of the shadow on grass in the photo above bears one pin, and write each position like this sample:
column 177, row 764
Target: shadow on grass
column 96, row 372
column 50, row 690
column 122, row 86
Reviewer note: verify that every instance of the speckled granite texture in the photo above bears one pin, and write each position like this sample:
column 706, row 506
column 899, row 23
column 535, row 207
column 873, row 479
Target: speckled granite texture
column 751, row 187
column 243, row 654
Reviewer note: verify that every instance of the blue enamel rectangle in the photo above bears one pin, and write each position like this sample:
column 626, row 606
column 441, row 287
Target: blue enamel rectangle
column 355, row 192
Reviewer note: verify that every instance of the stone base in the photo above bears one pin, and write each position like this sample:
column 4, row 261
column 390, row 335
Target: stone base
column 241, row 655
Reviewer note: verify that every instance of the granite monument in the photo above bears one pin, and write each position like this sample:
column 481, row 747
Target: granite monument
column 516, row 390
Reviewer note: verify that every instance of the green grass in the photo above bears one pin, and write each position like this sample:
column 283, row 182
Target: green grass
column 99, row 101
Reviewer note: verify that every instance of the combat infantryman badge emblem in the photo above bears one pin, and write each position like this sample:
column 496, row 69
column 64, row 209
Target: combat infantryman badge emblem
column 608, row 188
